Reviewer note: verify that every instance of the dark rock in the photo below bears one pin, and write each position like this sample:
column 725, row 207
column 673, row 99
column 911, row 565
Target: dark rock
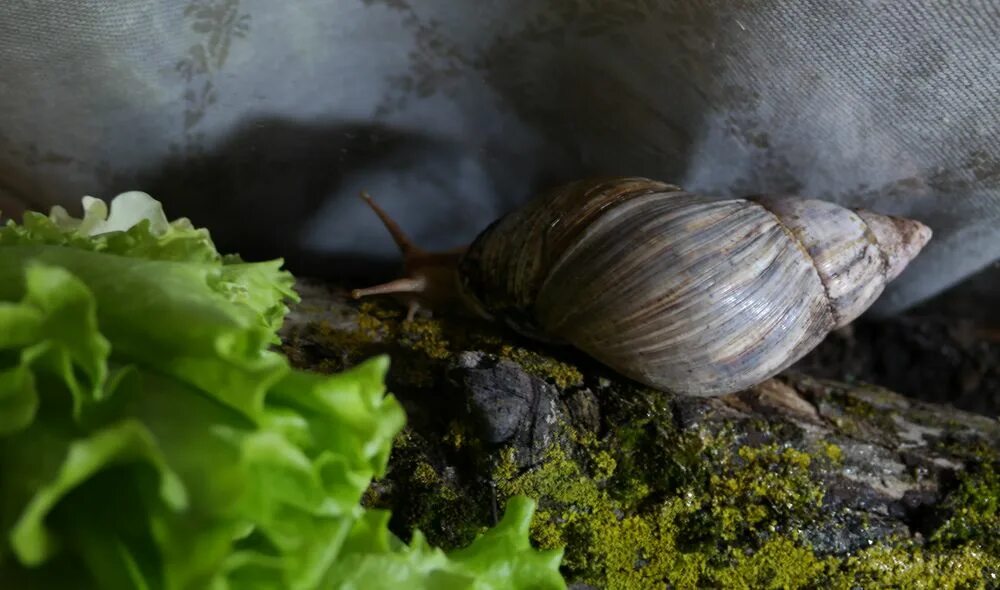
column 917, row 510
column 584, row 410
column 845, row 532
column 499, row 396
column 847, row 494
column 506, row 404
column 690, row 412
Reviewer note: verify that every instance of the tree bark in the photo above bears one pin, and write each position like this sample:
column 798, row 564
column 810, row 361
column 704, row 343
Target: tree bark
column 798, row 482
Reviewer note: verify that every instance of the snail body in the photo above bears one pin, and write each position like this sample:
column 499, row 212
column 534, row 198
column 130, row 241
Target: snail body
column 682, row 292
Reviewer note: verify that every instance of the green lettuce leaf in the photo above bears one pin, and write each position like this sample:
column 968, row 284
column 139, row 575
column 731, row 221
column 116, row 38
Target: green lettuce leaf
column 135, row 226
column 500, row 558
column 151, row 438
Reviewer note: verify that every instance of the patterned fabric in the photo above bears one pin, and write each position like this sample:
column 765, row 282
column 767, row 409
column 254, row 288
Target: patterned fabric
column 263, row 119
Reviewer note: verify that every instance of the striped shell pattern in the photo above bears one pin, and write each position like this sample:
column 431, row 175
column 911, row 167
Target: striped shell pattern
column 684, row 292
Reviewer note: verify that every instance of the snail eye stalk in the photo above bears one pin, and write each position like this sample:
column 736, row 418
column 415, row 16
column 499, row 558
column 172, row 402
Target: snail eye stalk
column 430, row 276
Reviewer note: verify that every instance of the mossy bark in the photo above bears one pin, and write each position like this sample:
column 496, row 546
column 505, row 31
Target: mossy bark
column 796, row 483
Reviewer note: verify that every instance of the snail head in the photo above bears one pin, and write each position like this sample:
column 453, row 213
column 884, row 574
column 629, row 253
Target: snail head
column 430, row 278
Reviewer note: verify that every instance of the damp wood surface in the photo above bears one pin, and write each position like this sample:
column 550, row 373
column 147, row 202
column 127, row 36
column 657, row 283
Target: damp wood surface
column 812, row 479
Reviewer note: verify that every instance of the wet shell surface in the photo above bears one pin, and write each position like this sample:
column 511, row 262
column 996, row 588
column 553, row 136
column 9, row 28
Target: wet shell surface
column 684, row 292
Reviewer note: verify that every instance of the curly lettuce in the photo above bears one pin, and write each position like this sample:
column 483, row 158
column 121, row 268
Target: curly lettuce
column 151, row 438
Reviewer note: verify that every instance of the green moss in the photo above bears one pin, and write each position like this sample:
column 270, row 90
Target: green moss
column 416, row 347
column 425, row 336
column 604, row 465
column 833, row 453
column 506, row 468
column 856, row 406
column 458, row 436
column 424, row 474
column 425, row 496
column 420, row 348
column 731, row 521
column 561, row 374
column 861, row 417
column 625, row 541
column 779, row 563
column 973, row 511
column 909, row 566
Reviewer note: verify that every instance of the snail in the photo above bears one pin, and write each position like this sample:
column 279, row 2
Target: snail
column 682, row 292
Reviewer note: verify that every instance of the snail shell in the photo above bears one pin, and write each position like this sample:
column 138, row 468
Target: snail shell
column 684, row 292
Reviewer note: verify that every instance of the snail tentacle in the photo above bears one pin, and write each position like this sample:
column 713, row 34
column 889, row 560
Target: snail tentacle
column 430, row 276
column 403, row 241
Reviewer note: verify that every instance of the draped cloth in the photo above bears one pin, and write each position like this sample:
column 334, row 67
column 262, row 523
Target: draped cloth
column 263, row 119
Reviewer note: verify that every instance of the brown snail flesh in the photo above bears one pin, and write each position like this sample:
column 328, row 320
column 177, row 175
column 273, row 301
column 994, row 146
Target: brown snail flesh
column 682, row 292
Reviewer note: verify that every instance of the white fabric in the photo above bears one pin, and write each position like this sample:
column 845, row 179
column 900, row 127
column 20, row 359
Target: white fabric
column 452, row 111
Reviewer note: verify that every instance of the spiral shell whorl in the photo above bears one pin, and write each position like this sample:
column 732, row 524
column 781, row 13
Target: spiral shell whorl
column 855, row 252
column 684, row 292
column 504, row 268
